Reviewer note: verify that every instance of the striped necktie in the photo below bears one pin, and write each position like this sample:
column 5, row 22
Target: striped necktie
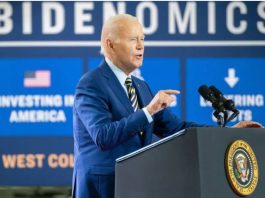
column 133, row 97
column 131, row 93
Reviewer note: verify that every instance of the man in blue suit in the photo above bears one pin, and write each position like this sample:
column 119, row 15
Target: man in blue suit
column 115, row 113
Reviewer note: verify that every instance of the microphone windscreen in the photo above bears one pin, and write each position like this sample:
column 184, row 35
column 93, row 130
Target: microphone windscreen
column 205, row 92
column 215, row 91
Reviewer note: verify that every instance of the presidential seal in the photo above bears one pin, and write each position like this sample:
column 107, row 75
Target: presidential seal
column 241, row 168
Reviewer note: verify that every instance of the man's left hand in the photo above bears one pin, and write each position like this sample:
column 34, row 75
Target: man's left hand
column 248, row 124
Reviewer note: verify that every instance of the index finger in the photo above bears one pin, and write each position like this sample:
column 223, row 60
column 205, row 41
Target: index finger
column 171, row 91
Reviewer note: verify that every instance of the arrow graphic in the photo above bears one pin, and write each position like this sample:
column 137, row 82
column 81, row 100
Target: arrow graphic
column 231, row 79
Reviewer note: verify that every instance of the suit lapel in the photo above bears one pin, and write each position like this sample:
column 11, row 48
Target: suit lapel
column 117, row 88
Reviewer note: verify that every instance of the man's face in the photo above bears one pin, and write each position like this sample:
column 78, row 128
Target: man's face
column 128, row 47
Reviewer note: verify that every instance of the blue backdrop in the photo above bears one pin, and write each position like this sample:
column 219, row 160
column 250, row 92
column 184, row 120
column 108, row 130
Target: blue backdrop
column 51, row 44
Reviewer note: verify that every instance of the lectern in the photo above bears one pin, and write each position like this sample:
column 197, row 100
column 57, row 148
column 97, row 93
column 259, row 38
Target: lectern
column 196, row 163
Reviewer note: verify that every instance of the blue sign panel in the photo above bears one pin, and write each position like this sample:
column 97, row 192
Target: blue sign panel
column 37, row 96
column 240, row 79
column 159, row 73
column 36, row 161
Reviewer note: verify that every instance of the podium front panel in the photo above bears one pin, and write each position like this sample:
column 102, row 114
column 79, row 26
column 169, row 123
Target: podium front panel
column 185, row 166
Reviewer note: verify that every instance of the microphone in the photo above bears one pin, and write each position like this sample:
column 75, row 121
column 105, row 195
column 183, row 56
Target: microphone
column 219, row 103
column 217, row 93
column 228, row 104
column 208, row 95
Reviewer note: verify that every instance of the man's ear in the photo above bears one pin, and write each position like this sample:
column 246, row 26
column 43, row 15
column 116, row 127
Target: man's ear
column 109, row 44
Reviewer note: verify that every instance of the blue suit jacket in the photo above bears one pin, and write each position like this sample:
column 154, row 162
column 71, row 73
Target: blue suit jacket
column 106, row 127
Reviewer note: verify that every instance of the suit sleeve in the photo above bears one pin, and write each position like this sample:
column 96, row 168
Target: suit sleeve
column 166, row 123
column 94, row 110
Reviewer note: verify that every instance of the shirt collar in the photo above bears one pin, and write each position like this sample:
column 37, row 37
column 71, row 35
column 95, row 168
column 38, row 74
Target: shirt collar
column 117, row 71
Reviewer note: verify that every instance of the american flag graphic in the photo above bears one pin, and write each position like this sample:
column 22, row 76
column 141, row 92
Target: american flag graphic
column 38, row 78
